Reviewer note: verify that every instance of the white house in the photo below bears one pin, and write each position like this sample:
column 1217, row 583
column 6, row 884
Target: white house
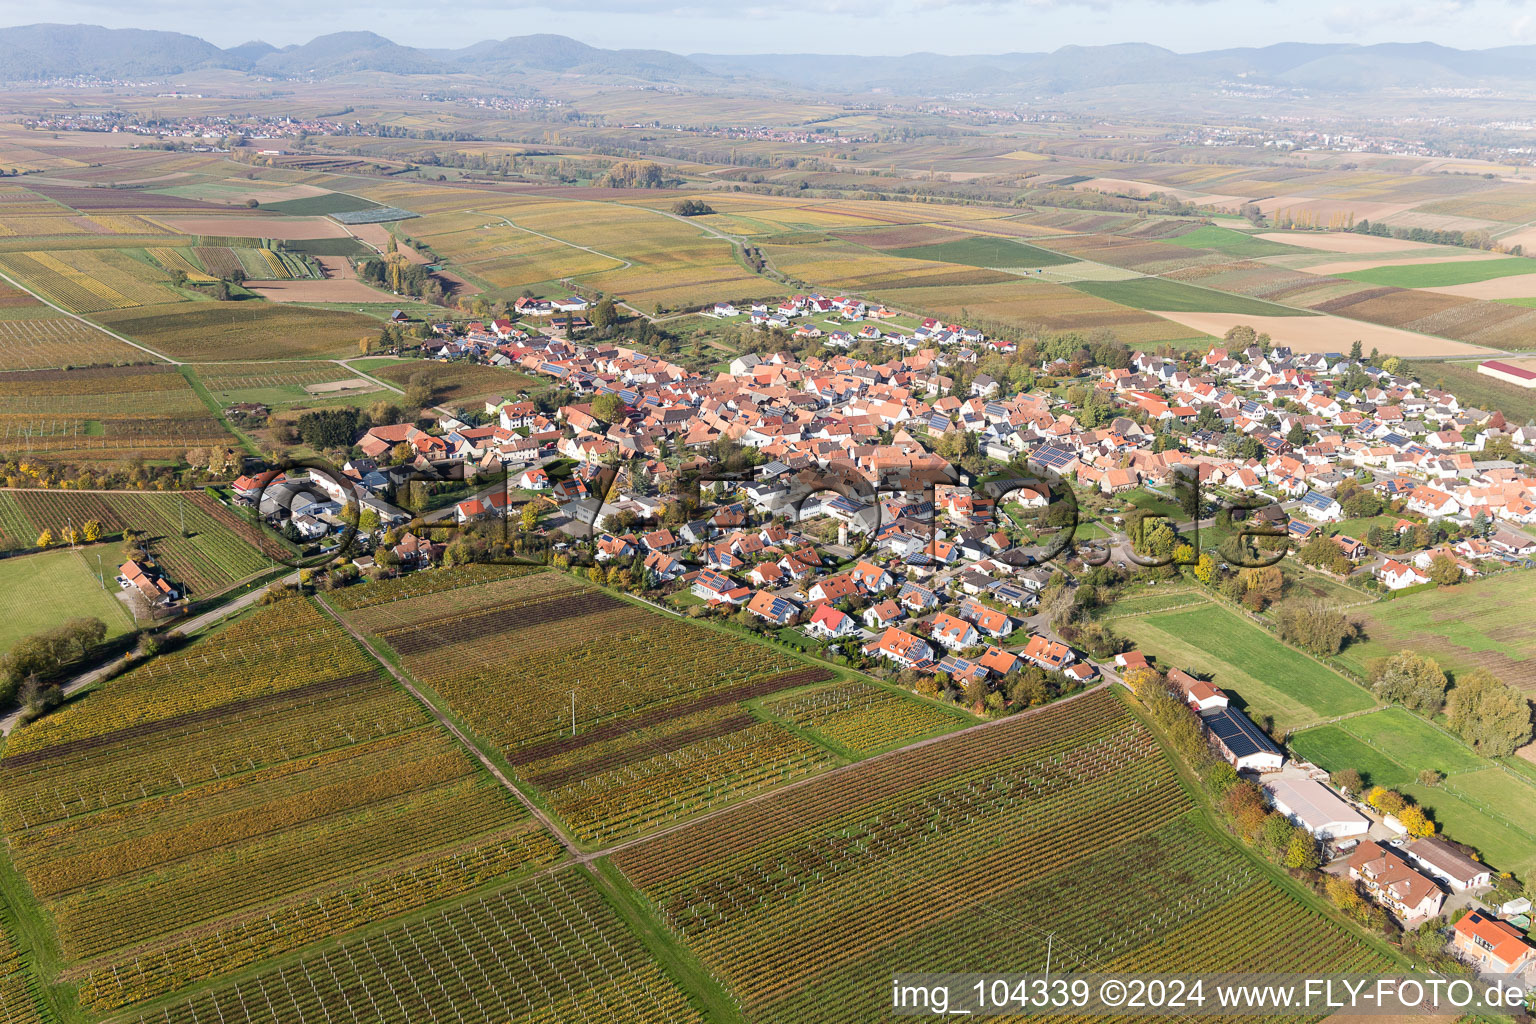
column 1394, row 575
column 829, row 622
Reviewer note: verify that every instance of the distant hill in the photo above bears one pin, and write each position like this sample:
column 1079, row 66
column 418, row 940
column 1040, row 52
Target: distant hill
column 45, row 51
column 30, row 52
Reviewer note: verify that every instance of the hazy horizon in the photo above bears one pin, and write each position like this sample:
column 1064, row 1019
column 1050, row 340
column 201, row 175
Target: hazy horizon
column 832, row 27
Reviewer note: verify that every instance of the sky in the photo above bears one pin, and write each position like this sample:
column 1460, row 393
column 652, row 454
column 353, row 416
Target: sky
column 864, row 27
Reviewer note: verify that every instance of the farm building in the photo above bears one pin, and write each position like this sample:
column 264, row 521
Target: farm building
column 1450, row 865
column 1240, row 741
column 1203, row 696
column 1316, row 808
column 1508, row 373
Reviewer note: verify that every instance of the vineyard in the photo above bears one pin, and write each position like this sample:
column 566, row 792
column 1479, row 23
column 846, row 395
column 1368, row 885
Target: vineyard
column 88, row 281
column 43, row 342
column 290, row 795
column 111, row 412
column 18, row 997
column 961, row 855
column 176, row 259
column 549, row 949
column 219, row 547
column 663, row 729
column 862, row 718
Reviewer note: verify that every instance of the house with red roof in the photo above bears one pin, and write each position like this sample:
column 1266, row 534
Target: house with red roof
column 1493, row 945
column 1051, row 655
column 827, row 621
column 901, row 647
column 882, row 614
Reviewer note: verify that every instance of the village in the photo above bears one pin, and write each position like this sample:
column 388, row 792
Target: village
column 875, row 514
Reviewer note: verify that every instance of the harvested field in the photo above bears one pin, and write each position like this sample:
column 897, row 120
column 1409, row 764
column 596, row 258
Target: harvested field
column 1330, row 334
column 1390, row 307
column 255, row 226
column 1341, row 241
column 1521, row 286
column 333, row 290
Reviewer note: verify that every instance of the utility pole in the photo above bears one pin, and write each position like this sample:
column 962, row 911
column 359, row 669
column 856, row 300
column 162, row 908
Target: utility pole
column 573, row 709
column 101, row 576
column 1050, row 940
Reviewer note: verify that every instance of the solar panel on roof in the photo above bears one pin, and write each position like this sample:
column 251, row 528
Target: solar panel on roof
column 1237, row 733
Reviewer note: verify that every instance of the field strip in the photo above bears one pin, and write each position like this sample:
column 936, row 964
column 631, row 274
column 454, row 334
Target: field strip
column 75, row 316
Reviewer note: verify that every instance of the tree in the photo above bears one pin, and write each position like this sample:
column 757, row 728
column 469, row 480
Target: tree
column 401, row 453
column 1297, row 436
column 692, row 208
column 1385, row 800
column 1413, row 680
column 1444, row 571
column 1264, row 585
column 45, row 539
column 604, row 315
column 1348, row 780
column 1205, row 568
column 420, row 390
column 530, row 515
column 1315, row 625
column 1416, row 821
column 1301, row 853
column 1493, row 718
column 91, row 531
column 609, row 408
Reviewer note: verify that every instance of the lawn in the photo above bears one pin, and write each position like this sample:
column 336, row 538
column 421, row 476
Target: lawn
column 1154, row 293
column 1409, row 740
column 1265, row 676
column 1358, row 528
column 985, row 252
column 1462, row 627
column 1498, row 844
column 44, row 590
column 1442, row 275
column 1237, row 244
column 1335, row 749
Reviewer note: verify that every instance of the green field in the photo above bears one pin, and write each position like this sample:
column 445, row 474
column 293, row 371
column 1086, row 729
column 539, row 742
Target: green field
column 330, row 202
column 41, row 591
column 1332, row 747
column 1409, row 740
column 1154, row 293
column 1479, row 803
column 1463, row 627
column 1442, row 275
column 1500, row 845
column 1266, row 676
column 985, row 252
column 1237, row 244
